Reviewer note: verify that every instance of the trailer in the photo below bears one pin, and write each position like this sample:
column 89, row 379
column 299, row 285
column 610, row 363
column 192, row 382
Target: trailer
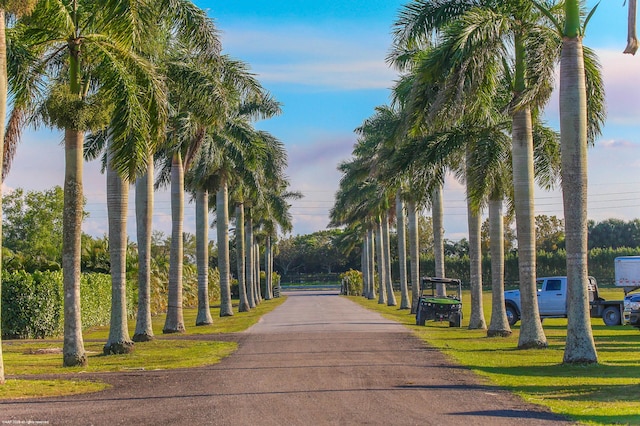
column 627, row 272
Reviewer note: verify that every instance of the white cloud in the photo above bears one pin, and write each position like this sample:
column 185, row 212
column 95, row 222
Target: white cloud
column 329, row 59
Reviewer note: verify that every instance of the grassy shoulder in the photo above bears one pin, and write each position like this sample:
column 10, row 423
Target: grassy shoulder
column 605, row 393
column 30, row 359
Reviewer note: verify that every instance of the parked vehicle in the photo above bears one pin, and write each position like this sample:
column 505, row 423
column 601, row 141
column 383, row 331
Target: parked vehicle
column 627, row 270
column 439, row 308
column 631, row 314
column 552, row 302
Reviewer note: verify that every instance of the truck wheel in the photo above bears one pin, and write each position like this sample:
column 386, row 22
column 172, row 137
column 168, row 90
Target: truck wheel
column 611, row 316
column 512, row 315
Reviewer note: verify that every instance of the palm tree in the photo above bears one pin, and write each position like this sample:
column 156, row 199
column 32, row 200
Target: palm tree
column 414, row 250
column 144, row 217
column 111, row 86
column 199, row 101
column 574, row 137
column 402, row 252
column 16, row 8
column 118, row 341
column 243, row 304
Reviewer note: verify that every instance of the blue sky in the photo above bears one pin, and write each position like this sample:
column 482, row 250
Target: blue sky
column 325, row 62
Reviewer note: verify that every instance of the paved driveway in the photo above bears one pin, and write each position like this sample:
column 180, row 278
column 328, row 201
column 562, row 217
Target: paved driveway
column 318, row 359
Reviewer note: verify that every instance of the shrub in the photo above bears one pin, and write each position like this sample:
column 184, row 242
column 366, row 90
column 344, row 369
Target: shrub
column 31, row 304
column 352, row 283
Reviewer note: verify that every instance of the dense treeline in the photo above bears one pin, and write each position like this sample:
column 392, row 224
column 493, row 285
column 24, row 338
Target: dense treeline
column 327, row 252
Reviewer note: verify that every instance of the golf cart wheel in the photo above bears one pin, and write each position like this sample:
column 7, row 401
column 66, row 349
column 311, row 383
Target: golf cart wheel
column 455, row 320
column 420, row 320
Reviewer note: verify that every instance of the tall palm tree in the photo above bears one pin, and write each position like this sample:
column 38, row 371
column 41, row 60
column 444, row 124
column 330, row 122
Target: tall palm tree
column 103, row 89
column 243, row 304
column 118, row 341
column 144, row 217
column 414, row 252
column 402, row 252
column 574, row 137
column 199, row 102
column 16, row 8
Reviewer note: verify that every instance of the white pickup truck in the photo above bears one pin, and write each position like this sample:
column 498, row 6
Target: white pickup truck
column 552, row 302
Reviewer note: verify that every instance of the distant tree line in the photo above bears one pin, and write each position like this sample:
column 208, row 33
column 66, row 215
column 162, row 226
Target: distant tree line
column 329, row 252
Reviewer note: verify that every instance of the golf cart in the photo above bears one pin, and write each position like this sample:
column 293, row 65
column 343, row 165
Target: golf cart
column 443, row 308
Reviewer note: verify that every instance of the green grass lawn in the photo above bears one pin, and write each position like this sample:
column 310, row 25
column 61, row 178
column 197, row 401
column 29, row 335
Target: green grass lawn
column 24, row 360
column 606, row 393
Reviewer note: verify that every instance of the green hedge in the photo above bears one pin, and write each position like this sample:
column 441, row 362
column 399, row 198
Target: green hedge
column 32, row 304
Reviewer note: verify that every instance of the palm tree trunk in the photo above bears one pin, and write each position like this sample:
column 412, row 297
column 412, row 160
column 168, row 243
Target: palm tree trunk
column 249, row 262
column 174, row 322
column 372, row 264
column 256, row 269
column 267, row 261
column 144, row 218
column 202, row 257
column 580, row 347
column 73, row 347
column 256, row 273
column 222, row 226
column 391, row 297
column 414, row 253
column 531, row 332
column 73, row 352
column 499, row 325
column 382, row 274
column 243, row 304
column 402, row 253
column 117, row 204
column 365, row 267
column 476, row 319
column 438, row 237
column 632, row 38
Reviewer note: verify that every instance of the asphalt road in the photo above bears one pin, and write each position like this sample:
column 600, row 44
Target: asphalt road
column 318, row 359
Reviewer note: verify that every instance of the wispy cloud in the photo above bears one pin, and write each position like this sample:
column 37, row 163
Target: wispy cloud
column 617, row 144
column 330, row 59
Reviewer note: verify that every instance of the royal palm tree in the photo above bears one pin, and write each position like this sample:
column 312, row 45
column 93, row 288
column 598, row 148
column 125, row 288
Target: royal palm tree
column 243, row 303
column 144, row 219
column 109, row 85
column 405, row 303
column 575, row 135
column 199, row 102
column 118, row 341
